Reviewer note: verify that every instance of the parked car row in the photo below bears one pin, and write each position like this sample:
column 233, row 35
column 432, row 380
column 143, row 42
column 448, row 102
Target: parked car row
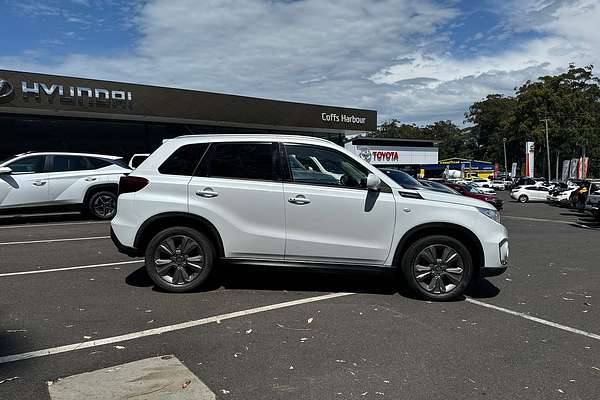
column 583, row 195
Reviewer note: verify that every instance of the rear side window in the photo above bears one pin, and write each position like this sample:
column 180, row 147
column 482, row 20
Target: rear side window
column 184, row 160
column 241, row 161
column 69, row 163
column 98, row 162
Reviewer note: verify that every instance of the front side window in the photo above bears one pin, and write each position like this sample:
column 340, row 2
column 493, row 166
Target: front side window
column 69, row 163
column 184, row 160
column 337, row 168
column 28, row 165
column 241, row 161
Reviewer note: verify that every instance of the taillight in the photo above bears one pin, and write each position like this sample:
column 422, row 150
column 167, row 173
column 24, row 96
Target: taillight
column 129, row 184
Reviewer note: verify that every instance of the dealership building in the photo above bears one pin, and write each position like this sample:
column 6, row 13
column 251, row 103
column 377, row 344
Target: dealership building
column 409, row 155
column 41, row 112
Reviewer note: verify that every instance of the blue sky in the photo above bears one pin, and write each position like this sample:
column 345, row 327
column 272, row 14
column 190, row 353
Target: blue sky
column 414, row 60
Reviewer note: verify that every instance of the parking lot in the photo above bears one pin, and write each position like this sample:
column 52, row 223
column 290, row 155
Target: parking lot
column 72, row 304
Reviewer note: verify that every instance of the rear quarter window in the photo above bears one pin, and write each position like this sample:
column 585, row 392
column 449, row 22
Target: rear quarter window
column 184, row 160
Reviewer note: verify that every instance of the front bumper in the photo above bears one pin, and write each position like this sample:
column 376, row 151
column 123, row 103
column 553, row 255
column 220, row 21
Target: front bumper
column 496, row 257
column 493, row 271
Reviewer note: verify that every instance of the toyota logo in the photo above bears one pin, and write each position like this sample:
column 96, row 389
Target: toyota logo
column 365, row 154
column 6, row 90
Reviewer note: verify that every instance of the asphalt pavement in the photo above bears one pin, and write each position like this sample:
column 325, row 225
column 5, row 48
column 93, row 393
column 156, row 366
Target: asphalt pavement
column 72, row 304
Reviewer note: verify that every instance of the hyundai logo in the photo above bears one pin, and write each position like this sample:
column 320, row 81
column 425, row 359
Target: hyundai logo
column 6, row 90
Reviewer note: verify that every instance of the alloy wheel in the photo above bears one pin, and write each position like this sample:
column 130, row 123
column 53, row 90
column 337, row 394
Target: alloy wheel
column 179, row 259
column 438, row 269
column 104, row 206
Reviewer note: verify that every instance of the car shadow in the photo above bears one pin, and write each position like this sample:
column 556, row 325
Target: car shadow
column 271, row 278
column 482, row 289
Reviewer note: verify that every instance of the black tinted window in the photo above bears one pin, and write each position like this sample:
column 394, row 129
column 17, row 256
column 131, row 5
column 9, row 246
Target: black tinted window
column 69, row 163
column 98, row 162
column 242, row 161
column 184, row 160
column 28, row 165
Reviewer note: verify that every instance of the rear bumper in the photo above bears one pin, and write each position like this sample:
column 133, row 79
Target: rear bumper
column 129, row 251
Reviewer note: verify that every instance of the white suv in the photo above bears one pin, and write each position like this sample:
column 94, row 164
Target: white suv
column 65, row 180
column 246, row 199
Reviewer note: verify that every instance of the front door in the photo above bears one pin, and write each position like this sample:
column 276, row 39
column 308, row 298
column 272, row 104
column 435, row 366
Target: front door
column 239, row 189
column 330, row 215
column 26, row 185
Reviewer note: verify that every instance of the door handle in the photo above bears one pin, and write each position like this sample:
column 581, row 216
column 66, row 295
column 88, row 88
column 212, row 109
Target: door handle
column 90, row 179
column 39, row 183
column 207, row 193
column 300, row 200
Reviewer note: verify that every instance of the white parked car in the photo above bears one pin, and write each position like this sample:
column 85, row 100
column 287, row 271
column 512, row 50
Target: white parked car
column 525, row 194
column 86, row 181
column 240, row 199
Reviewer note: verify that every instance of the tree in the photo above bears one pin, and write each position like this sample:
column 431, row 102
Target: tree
column 570, row 102
column 493, row 119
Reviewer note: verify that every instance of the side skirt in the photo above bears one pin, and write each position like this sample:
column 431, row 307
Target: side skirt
column 331, row 267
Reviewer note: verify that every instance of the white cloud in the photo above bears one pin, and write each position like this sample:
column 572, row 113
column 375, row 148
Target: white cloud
column 391, row 55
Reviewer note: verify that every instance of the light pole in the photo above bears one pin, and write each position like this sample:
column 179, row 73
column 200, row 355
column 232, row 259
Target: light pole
column 548, row 150
column 505, row 159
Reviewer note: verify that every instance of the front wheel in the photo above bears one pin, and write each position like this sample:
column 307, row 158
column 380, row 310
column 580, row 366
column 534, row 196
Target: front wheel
column 179, row 259
column 102, row 205
column 437, row 267
column 523, row 199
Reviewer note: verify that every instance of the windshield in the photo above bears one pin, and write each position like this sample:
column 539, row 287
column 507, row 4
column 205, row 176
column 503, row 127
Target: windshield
column 403, row 179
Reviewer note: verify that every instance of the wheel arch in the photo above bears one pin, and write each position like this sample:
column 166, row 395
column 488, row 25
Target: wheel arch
column 162, row 221
column 112, row 187
column 464, row 235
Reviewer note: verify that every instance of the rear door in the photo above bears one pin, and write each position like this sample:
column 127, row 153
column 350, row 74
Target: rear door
column 68, row 177
column 541, row 192
column 239, row 189
column 26, row 185
column 331, row 219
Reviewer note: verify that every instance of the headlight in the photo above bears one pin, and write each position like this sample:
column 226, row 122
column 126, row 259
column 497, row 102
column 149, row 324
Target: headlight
column 493, row 214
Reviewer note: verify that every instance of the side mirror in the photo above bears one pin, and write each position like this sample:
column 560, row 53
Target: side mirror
column 373, row 181
column 5, row 170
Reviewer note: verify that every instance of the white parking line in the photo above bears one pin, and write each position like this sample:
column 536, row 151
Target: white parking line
column 53, row 224
column 165, row 329
column 535, row 319
column 54, row 240
column 557, row 221
column 42, row 271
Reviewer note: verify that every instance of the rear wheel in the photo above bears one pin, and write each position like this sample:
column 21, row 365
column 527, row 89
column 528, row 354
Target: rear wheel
column 102, row 205
column 523, row 198
column 437, row 267
column 179, row 259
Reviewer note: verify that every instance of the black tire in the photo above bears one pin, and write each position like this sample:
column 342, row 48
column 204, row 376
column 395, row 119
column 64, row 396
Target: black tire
column 102, row 204
column 523, row 199
column 454, row 284
column 198, row 274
